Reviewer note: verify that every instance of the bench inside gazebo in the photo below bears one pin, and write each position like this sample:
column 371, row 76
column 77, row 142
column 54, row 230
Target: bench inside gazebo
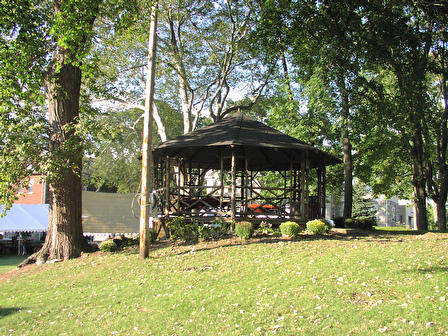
column 216, row 171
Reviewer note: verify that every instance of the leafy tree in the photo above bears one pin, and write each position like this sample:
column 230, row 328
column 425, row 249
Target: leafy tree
column 362, row 200
column 51, row 39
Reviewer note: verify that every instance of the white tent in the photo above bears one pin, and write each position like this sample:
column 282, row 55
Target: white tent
column 25, row 218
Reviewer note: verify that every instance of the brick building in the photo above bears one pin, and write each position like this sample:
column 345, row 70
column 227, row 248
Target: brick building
column 36, row 193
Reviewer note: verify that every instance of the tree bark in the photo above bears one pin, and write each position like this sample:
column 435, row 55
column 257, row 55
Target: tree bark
column 64, row 238
column 418, row 179
column 347, row 149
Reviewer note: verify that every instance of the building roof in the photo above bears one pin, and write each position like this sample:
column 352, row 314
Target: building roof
column 265, row 147
column 25, row 218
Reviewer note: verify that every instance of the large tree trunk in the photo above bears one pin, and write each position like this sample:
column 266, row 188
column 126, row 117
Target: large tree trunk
column 441, row 214
column 64, row 238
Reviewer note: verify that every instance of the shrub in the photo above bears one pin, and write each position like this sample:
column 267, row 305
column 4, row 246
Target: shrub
column 364, row 223
column 180, row 228
column 290, row 229
column 276, row 234
column 152, row 235
column 317, row 226
column 265, row 228
column 108, row 246
column 207, row 232
column 244, row 230
column 224, row 225
column 129, row 242
column 339, row 222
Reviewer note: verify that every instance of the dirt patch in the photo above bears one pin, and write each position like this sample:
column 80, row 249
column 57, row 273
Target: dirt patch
column 28, row 269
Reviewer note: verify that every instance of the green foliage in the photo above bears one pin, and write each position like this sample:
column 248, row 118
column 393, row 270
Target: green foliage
column 362, row 201
column 108, row 246
column 363, row 223
column 244, row 230
column 152, row 235
column 317, row 226
column 183, row 229
column 290, row 229
column 265, row 228
column 129, row 242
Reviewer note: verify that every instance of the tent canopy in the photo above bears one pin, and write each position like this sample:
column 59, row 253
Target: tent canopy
column 264, row 147
column 25, row 218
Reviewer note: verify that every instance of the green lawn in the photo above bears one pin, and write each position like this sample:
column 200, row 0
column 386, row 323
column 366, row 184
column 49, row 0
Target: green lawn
column 335, row 285
column 8, row 263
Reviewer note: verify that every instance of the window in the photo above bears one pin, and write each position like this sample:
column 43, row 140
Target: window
column 30, row 186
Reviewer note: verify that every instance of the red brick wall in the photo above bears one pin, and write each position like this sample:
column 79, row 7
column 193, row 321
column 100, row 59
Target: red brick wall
column 35, row 193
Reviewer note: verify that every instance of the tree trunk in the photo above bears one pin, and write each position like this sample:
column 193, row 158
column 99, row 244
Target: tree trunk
column 64, row 238
column 348, row 178
column 418, row 179
column 347, row 149
column 441, row 214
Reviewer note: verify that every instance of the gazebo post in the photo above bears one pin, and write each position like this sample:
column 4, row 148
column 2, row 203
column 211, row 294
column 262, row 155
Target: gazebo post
column 233, row 194
column 167, row 187
column 291, row 188
column 221, row 179
column 302, row 186
column 324, row 191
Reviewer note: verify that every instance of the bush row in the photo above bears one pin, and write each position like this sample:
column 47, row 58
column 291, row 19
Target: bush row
column 364, row 223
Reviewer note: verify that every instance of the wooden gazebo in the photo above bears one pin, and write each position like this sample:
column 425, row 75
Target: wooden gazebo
column 215, row 172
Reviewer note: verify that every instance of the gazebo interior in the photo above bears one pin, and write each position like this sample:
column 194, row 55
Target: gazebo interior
column 218, row 172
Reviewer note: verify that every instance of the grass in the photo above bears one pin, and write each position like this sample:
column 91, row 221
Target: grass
column 380, row 282
column 8, row 263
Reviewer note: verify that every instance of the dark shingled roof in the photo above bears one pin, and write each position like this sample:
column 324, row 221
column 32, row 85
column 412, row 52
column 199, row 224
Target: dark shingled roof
column 265, row 147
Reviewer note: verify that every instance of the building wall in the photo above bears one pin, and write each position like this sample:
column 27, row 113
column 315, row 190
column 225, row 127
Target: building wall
column 35, row 193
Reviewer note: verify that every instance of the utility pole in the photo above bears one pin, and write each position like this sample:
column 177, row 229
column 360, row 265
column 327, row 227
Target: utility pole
column 147, row 162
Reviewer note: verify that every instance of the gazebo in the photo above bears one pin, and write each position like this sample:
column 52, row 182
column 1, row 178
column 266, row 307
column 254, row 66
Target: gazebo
column 216, row 171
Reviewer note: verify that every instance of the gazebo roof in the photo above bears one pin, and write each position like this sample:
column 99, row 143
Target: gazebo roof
column 265, row 147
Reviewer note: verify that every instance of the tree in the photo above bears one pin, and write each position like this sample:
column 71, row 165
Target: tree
column 53, row 38
column 321, row 37
column 203, row 55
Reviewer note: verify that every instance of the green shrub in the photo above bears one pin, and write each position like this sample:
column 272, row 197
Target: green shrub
column 108, row 246
column 180, row 228
column 224, row 225
column 290, row 229
column 208, row 232
column 364, row 223
column 317, row 226
column 244, row 230
column 129, row 242
column 152, row 235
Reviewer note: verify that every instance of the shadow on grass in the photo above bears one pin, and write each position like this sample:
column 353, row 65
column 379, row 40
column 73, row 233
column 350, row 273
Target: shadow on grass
column 12, row 260
column 5, row 311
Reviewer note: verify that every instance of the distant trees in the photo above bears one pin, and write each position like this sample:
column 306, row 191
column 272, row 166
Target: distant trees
column 375, row 60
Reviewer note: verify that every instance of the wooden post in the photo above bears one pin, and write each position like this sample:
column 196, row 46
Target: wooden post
column 291, row 186
column 319, row 191
column 221, row 178
column 233, row 194
column 324, row 190
column 302, row 186
column 146, row 179
column 167, row 187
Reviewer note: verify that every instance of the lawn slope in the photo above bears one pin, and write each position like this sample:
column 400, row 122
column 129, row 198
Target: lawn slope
column 336, row 285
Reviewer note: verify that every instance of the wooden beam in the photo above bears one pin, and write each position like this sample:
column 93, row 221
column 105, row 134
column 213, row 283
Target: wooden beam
column 233, row 194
